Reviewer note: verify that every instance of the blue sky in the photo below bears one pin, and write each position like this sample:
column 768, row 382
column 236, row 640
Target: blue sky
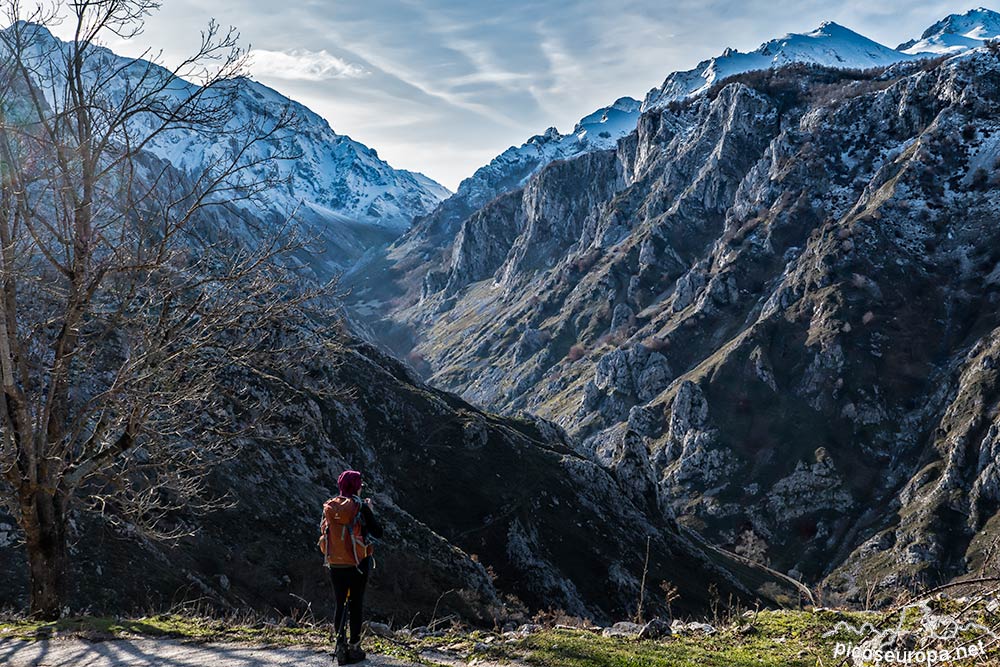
column 442, row 86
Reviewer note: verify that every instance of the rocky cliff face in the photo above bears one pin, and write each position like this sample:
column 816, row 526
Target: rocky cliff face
column 485, row 516
column 770, row 309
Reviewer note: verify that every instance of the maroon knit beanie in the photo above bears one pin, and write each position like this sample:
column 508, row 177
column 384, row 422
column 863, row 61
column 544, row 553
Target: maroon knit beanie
column 349, row 483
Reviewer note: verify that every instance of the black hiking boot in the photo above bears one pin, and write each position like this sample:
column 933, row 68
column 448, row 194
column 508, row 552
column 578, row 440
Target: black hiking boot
column 355, row 653
column 340, row 654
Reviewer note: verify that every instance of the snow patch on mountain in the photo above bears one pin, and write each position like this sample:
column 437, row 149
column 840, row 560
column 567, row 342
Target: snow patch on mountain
column 830, row 45
column 604, row 127
column 331, row 173
column 956, row 33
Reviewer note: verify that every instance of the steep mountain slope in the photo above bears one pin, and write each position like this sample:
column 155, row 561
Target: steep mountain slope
column 772, row 305
column 485, row 516
column 338, row 189
column 956, row 33
column 388, row 273
column 829, row 45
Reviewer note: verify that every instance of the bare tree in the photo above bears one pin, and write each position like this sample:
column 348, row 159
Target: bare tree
column 129, row 310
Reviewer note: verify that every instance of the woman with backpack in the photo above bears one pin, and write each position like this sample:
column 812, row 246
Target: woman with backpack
column 347, row 530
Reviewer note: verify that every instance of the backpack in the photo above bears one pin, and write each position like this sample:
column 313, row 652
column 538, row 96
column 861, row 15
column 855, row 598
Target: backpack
column 341, row 539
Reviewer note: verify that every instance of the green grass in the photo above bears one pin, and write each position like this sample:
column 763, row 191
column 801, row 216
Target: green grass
column 167, row 625
column 566, row 649
column 787, row 639
column 778, row 639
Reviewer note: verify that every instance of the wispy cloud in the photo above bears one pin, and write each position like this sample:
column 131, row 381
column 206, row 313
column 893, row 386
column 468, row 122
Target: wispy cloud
column 303, row 65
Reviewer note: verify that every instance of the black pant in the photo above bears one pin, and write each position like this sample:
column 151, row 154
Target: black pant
column 349, row 580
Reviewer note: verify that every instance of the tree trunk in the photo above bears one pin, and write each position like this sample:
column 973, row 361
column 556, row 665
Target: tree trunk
column 44, row 517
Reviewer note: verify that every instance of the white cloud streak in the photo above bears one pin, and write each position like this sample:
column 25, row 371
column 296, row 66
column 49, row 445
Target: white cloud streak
column 303, row 65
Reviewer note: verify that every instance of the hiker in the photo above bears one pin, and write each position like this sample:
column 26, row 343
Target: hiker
column 347, row 530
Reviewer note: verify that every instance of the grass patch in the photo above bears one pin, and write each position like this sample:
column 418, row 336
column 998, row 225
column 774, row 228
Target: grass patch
column 166, row 625
column 778, row 639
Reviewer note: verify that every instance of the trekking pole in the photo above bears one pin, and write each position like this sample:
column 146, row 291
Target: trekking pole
column 343, row 617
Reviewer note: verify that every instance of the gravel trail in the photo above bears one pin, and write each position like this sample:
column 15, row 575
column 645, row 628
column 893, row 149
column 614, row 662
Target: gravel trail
column 165, row 653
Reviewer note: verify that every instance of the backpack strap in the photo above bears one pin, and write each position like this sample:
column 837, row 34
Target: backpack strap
column 355, row 520
column 357, row 515
column 324, row 540
column 369, row 540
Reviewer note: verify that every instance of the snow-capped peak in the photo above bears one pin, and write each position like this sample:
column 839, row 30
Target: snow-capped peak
column 829, row 45
column 605, row 126
column 333, row 176
column 956, row 33
column 599, row 130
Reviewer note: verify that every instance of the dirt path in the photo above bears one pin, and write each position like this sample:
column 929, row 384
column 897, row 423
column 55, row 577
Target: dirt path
column 164, row 653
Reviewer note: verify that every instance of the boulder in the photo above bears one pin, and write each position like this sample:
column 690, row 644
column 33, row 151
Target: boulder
column 681, row 628
column 622, row 629
column 380, row 630
column 655, row 629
